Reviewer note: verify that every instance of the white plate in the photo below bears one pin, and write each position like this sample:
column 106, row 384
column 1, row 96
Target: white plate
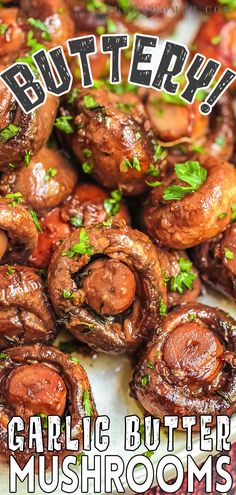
column 110, row 375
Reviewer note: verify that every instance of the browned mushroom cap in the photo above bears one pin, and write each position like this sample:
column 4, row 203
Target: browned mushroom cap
column 41, row 380
column 56, row 16
column 216, row 260
column 18, row 234
column 193, row 219
column 47, row 181
column 110, row 301
column 31, row 130
column 186, row 367
column 116, row 132
column 181, row 277
column 196, row 133
column 87, row 205
column 25, row 313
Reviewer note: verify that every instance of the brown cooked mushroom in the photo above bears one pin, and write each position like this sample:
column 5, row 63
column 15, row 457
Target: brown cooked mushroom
column 87, row 205
column 45, row 183
column 39, row 381
column 116, row 133
column 216, row 260
column 13, row 33
column 188, row 367
column 184, row 210
column 106, row 284
column 25, row 313
column 18, row 234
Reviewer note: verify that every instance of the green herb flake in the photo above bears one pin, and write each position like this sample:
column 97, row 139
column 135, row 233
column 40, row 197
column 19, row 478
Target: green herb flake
column 50, row 174
column 3, row 28
column 87, row 167
column 192, row 317
column 72, row 95
column 35, row 220
column 145, row 379
column 153, row 170
column 17, row 198
column 76, row 221
column 100, row 30
column 153, row 183
column 184, row 280
column 79, row 458
column 10, row 270
column 162, row 308
column 88, row 409
column 233, row 212
column 63, row 124
column 215, row 40
column 173, row 99
column 222, row 215
column 38, row 24
column 67, row 294
column 220, row 141
column 74, row 360
column 91, row 103
column 81, row 247
column 190, row 172
column 159, row 153
column 87, row 153
column 9, row 132
column 3, row 355
column 111, row 26
column 197, row 148
column 27, row 157
column 112, row 205
column 150, row 365
column 135, row 164
column 44, row 419
column 229, row 255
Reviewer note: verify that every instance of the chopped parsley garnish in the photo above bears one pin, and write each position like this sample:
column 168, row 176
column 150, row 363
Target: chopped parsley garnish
column 79, row 458
column 87, row 167
column 222, row 215
column 135, row 164
column 3, row 28
column 121, row 88
column 150, row 365
column 198, row 149
column 67, row 294
column 107, row 223
column 34, row 46
column 81, row 247
column 35, row 220
column 27, row 157
column 63, row 124
column 124, row 107
column 74, row 359
column 184, row 279
column 220, row 141
column 17, row 198
column 162, row 308
column 38, row 24
column 91, row 103
column 100, row 30
column 145, row 379
column 229, row 3
column 50, row 173
column 72, row 95
column 215, row 40
column 111, row 26
column 87, row 403
column 87, row 152
column 94, row 5
column 229, row 255
column 112, row 205
column 44, row 419
column 233, row 212
column 153, row 170
column 159, row 153
column 76, row 221
column 3, row 355
column 129, row 10
column 10, row 270
column 9, row 132
column 190, row 172
column 138, row 135
column 153, row 183
column 192, row 317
